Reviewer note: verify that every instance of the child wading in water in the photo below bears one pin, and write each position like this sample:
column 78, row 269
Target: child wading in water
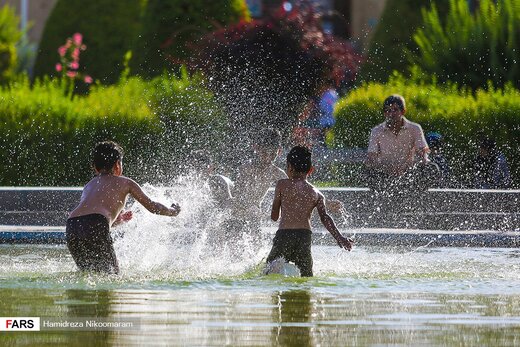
column 103, row 198
column 297, row 198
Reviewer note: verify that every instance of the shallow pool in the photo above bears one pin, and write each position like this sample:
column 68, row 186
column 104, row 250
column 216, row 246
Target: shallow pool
column 370, row 296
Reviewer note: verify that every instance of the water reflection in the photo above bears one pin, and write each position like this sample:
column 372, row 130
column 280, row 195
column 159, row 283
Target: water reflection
column 293, row 313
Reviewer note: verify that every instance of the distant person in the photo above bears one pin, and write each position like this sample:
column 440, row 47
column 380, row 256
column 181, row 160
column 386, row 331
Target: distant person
column 397, row 149
column 219, row 185
column 320, row 116
column 296, row 198
column 436, row 144
column 103, row 198
column 490, row 167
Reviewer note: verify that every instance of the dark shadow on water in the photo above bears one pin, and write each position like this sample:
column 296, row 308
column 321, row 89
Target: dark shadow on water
column 293, row 307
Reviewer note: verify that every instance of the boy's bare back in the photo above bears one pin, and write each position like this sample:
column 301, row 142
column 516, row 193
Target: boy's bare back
column 297, row 198
column 106, row 194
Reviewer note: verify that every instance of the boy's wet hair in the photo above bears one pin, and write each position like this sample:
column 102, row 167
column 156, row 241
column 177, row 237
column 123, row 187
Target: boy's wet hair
column 395, row 99
column 269, row 138
column 299, row 158
column 106, row 154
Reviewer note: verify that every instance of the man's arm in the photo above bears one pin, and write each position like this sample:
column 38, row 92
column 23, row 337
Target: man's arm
column 421, row 145
column 277, row 202
column 329, row 224
column 373, row 149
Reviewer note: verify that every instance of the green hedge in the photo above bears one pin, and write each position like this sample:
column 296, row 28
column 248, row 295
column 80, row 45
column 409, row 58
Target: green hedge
column 9, row 36
column 109, row 28
column 459, row 115
column 170, row 26
column 47, row 137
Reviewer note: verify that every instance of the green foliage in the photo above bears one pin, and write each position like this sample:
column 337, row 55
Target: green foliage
column 169, row 26
column 47, row 137
column 393, row 38
column 9, row 36
column 109, row 28
column 471, row 48
column 459, row 115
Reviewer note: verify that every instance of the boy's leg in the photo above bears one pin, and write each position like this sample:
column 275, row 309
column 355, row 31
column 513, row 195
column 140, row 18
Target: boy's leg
column 303, row 255
column 280, row 247
column 90, row 244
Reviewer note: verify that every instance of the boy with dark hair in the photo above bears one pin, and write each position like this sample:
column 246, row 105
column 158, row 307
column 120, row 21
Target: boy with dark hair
column 297, row 198
column 103, row 198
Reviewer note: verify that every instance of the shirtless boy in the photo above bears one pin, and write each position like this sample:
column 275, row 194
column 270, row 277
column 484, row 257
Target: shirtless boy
column 252, row 182
column 297, row 198
column 103, row 198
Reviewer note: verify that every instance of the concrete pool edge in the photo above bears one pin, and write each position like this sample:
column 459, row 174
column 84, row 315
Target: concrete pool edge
column 14, row 234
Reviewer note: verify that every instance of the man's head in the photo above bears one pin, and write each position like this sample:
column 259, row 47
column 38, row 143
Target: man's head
column 394, row 108
column 299, row 159
column 105, row 156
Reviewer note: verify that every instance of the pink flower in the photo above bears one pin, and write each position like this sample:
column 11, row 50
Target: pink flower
column 72, row 74
column 88, row 79
column 75, row 54
column 74, row 65
column 77, row 38
column 62, row 50
column 59, row 67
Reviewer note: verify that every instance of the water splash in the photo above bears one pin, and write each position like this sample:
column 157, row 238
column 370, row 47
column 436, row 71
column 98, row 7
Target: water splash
column 192, row 245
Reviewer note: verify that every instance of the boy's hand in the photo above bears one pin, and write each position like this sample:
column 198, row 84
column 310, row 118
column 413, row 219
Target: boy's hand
column 345, row 242
column 176, row 209
column 123, row 217
column 334, row 206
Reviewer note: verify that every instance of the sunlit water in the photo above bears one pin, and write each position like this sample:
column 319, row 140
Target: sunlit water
column 184, row 290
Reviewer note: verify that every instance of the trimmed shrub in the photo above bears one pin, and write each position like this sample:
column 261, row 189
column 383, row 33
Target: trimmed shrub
column 170, row 25
column 9, row 37
column 459, row 115
column 48, row 136
column 109, row 28
column 471, row 49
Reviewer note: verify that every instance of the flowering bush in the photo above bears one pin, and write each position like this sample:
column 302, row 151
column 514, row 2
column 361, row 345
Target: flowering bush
column 266, row 70
column 69, row 59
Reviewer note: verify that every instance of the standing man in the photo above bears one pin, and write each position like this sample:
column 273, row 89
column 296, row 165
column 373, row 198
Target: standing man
column 397, row 148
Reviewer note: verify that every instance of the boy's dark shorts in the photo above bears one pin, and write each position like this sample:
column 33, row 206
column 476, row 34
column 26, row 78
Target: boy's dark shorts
column 293, row 245
column 90, row 244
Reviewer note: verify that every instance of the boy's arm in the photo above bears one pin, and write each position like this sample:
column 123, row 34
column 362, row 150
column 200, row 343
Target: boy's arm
column 221, row 190
column 328, row 222
column 152, row 206
column 277, row 203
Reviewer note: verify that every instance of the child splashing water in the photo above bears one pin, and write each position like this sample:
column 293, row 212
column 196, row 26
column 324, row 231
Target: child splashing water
column 296, row 199
column 103, row 198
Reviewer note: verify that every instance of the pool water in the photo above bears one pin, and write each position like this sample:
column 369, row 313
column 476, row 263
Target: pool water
column 181, row 286
column 370, row 296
